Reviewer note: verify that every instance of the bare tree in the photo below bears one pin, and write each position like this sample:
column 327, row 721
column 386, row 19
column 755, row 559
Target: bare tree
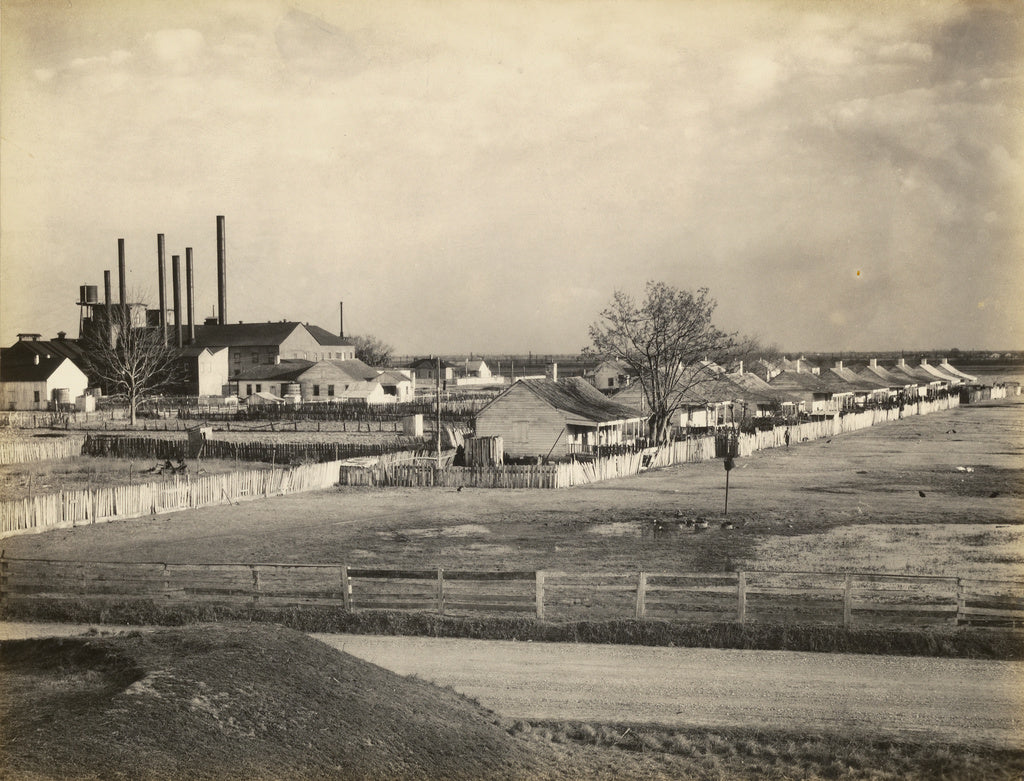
column 667, row 341
column 371, row 350
column 127, row 357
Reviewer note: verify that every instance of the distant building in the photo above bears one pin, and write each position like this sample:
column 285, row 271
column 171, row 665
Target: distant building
column 36, row 375
column 256, row 344
column 425, row 371
column 611, row 376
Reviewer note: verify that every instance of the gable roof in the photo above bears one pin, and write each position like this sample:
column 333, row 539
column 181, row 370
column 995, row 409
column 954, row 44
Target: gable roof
column 244, row 334
column 22, row 368
column 427, row 363
column 949, row 368
column 392, row 378
column 287, row 370
column 575, row 397
column 356, row 369
column 326, row 338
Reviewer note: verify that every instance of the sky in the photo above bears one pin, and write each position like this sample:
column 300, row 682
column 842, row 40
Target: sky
column 482, row 176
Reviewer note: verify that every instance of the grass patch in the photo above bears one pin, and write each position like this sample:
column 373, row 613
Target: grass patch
column 961, row 642
column 760, row 754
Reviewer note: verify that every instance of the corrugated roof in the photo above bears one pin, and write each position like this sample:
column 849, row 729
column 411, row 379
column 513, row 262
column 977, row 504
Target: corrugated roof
column 578, row 397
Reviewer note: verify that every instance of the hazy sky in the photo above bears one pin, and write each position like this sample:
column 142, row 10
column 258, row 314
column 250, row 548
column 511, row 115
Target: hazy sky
column 482, row 176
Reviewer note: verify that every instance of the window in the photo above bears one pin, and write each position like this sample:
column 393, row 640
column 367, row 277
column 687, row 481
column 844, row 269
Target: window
column 259, row 388
column 255, row 357
column 330, row 390
column 611, row 382
column 35, row 396
column 248, row 390
column 316, row 390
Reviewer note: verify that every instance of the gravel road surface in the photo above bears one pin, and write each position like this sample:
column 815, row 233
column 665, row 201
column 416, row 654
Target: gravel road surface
column 954, row 700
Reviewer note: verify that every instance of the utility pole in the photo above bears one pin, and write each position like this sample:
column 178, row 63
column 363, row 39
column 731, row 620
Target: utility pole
column 439, row 412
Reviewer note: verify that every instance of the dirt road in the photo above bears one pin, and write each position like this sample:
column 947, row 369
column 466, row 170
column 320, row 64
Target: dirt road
column 952, row 700
column 956, row 700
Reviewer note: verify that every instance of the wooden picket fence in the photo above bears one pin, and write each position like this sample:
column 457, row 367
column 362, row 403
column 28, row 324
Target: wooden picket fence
column 40, row 450
column 566, row 475
column 266, row 452
column 750, row 596
column 98, row 505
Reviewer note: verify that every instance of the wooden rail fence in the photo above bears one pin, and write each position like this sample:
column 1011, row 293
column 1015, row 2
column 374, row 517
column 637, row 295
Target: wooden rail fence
column 850, row 599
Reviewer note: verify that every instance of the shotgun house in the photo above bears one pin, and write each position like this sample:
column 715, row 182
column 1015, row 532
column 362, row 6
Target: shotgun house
column 865, row 389
column 896, row 384
column 925, row 382
column 759, row 399
column 551, row 419
column 808, row 388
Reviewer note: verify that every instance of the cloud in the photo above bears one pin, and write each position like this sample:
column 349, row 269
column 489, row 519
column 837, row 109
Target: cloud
column 177, row 48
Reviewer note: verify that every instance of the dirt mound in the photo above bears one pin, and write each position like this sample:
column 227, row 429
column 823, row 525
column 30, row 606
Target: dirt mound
column 239, row 701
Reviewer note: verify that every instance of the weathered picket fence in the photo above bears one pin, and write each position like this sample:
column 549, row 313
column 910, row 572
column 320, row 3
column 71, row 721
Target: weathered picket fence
column 98, row 505
column 42, row 449
column 749, row 596
column 267, row 452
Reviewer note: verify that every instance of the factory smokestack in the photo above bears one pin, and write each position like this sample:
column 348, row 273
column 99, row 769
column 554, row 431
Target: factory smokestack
column 161, row 272
column 222, row 276
column 106, row 288
column 341, row 315
column 176, row 288
column 189, row 303
column 122, row 284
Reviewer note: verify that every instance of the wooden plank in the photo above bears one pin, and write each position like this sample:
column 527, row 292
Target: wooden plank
column 988, row 611
column 881, row 607
column 419, row 574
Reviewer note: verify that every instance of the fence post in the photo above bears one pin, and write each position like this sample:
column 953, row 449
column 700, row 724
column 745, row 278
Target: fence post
column 960, row 601
column 741, row 596
column 847, row 600
column 3, row 577
column 346, row 589
column 539, row 587
column 440, row 591
column 641, row 595
column 255, row 583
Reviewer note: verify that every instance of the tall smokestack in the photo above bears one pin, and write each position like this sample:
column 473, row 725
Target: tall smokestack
column 161, row 283
column 176, row 283
column 122, row 285
column 222, row 275
column 341, row 315
column 106, row 288
column 189, row 296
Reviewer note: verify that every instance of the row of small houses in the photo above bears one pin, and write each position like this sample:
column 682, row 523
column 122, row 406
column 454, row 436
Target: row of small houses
column 550, row 419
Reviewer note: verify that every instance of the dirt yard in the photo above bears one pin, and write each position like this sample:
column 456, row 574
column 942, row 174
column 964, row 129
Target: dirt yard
column 854, row 502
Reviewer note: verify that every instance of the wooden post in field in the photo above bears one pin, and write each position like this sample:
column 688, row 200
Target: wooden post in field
column 539, row 588
column 960, row 601
column 166, row 584
column 440, row 591
column 3, row 577
column 255, row 583
column 346, row 589
column 847, row 600
column 641, row 595
column 741, row 596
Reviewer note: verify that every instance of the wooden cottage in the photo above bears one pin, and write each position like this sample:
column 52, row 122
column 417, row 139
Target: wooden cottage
column 552, row 419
